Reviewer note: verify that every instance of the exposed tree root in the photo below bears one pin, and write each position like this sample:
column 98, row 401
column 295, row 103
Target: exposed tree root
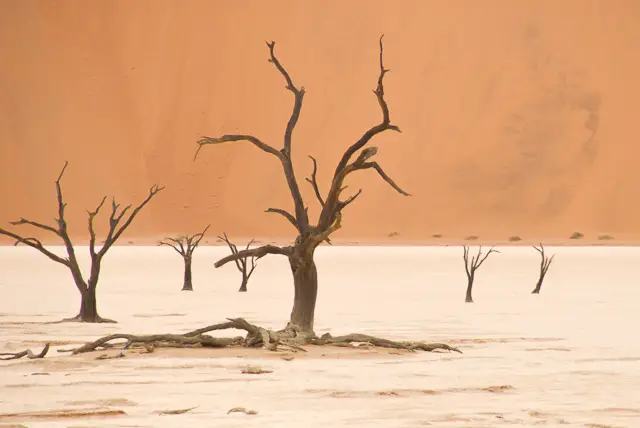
column 27, row 352
column 290, row 339
column 78, row 318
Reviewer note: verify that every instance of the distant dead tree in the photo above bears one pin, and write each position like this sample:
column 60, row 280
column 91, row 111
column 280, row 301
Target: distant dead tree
column 544, row 267
column 117, row 225
column 185, row 245
column 472, row 266
column 241, row 264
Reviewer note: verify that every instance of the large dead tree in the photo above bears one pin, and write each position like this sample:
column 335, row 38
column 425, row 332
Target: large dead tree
column 472, row 266
column 118, row 223
column 299, row 330
column 185, row 245
column 241, row 264
column 544, row 267
column 310, row 236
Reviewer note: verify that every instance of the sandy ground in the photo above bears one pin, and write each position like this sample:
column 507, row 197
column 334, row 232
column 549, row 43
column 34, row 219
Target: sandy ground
column 518, row 118
column 563, row 358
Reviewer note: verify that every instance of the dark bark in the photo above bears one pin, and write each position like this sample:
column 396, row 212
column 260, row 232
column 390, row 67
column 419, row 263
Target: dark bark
column 309, row 235
column 545, row 262
column 471, row 266
column 89, row 306
column 88, row 311
column 188, row 285
column 243, row 285
column 305, row 283
column 185, row 245
column 469, row 297
column 536, row 290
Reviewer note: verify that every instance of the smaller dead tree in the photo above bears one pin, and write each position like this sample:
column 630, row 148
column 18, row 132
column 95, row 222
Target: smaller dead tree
column 473, row 266
column 241, row 263
column 544, row 267
column 185, row 245
column 119, row 221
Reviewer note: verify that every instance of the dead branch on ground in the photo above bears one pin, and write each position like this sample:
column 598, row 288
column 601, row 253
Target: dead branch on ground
column 290, row 339
column 26, row 353
column 472, row 267
column 241, row 263
column 544, row 267
column 185, row 245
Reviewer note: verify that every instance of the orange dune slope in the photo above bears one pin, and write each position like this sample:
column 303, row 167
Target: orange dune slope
column 517, row 117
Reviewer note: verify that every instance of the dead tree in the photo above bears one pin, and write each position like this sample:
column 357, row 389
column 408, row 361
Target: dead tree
column 310, row 236
column 299, row 330
column 544, row 267
column 472, row 267
column 185, row 245
column 4, row 356
column 118, row 223
column 241, row 264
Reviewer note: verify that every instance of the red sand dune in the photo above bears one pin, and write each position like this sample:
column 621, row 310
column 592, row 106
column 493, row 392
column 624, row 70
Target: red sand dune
column 517, row 116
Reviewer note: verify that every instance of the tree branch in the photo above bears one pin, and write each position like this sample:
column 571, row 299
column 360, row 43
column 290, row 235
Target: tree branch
column 373, row 131
column 314, row 181
column 385, row 177
column 302, row 218
column 194, row 240
column 35, row 224
column 230, row 138
column 92, row 232
column 254, row 252
column 285, row 214
column 62, row 223
column 297, row 106
column 327, row 217
column 35, row 243
column 240, row 263
column 491, row 250
column 173, row 245
column 114, row 221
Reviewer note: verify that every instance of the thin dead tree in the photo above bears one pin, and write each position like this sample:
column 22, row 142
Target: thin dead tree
column 185, row 245
column 544, row 267
column 241, row 264
column 299, row 330
column 118, row 223
column 472, row 266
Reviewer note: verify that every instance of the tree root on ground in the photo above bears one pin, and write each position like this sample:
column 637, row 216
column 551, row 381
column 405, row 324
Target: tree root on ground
column 291, row 338
column 27, row 352
column 78, row 318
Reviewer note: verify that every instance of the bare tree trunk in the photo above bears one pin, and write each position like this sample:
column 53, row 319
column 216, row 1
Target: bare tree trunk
column 305, row 281
column 538, row 285
column 469, row 298
column 188, row 286
column 88, row 306
column 245, row 281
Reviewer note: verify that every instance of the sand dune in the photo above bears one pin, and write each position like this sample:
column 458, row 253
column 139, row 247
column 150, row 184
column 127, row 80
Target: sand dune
column 517, row 116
